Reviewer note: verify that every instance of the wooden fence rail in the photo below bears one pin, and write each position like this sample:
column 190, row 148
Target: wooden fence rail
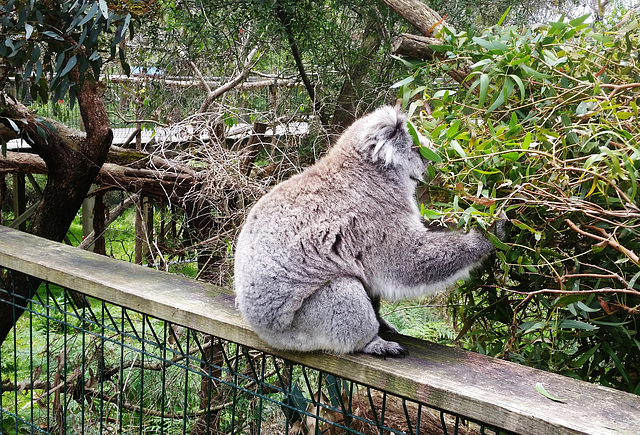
column 496, row 392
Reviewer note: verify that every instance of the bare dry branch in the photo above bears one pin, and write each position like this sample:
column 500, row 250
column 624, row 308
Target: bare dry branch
column 252, row 59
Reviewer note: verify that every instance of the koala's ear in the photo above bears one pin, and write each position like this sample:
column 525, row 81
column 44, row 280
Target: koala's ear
column 386, row 136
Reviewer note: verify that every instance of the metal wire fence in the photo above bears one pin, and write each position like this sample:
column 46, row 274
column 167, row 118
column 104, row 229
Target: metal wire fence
column 103, row 368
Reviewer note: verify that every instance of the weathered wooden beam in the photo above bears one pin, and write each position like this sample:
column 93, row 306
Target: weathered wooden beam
column 485, row 389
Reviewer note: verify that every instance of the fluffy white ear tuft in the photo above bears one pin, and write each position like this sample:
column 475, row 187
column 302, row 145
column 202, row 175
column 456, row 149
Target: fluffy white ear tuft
column 385, row 135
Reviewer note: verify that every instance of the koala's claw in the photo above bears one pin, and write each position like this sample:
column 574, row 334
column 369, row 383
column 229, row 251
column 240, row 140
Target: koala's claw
column 384, row 348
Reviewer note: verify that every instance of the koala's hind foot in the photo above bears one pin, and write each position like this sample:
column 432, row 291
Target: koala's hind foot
column 381, row 347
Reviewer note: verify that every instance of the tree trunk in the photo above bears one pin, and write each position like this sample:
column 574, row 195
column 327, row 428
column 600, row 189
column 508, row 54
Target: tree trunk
column 345, row 111
column 99, row 224
column 3, row 191
column 419, row 15
column 253, row 147
column 428, row 22
column 19, row 198
column 212, row 359
column 72, row 166
column 285, row 20
column 139, row 230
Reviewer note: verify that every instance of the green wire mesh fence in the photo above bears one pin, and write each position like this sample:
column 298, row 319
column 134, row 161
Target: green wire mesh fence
column 90, row 367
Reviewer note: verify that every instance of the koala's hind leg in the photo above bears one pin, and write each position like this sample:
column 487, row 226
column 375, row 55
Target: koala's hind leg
column 338, row 317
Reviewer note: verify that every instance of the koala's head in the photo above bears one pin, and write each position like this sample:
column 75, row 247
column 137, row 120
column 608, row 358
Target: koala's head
column 383, row 139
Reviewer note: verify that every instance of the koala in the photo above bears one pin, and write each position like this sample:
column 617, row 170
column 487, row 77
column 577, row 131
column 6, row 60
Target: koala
column 318, row 251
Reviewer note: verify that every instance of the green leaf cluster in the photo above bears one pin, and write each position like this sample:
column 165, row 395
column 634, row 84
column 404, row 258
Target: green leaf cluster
column 545, row 128
column 42, row 42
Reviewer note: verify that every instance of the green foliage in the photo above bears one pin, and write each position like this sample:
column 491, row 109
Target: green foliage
column 420, row 320
column 483, row 13
column 44, row 41
column 329, row 37
column 544, row 127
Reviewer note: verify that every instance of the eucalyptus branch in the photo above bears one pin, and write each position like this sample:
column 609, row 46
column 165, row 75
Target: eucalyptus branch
column 604, row 290
column 617, row 88
column 615, row 276
column 567, row 76
column 558, row 164
column 606, row 239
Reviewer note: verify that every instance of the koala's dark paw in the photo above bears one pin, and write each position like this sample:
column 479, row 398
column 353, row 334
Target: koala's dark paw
column 499, row 227
column 386, row 327
column 384, row 348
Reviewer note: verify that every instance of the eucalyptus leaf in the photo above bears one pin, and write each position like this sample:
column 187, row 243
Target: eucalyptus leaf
column 484, row 88
column 53, row 35
column 104, row 9
column 576, row 324
column 430, row 154
column 540, row 389
column 89, row 16
column 28, row 28
column 71, row 63
column 403, row 82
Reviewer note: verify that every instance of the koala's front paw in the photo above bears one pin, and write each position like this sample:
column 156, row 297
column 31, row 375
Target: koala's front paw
column 384, row 348
column 499, row 227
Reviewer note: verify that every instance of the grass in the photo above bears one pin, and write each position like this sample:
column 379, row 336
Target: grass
column 42, row 339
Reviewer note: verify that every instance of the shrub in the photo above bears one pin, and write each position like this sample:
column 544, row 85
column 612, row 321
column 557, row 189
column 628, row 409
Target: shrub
column 544, row 127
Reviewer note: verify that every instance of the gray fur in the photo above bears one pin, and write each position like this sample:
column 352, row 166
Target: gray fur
column 319, row 251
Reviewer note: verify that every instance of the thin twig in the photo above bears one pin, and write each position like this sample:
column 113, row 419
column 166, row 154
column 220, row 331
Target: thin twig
column 617, row 88
column 607, row 239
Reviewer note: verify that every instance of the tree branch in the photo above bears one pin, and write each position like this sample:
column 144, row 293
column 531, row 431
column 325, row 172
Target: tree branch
column 428, row 22
column 414, row 46
column 607, row 239
column 154, row 182
column 419, row 15
column 285, row 20
column 252, row 59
